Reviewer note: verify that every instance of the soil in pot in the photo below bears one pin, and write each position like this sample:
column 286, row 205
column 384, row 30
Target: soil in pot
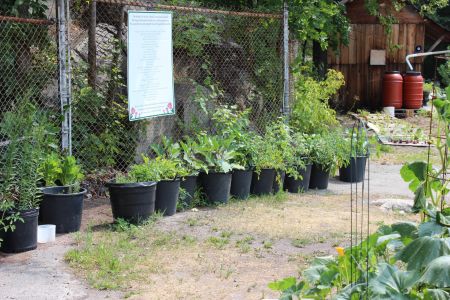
column 293, row 185
column 262, row 183
column 24, row 237
column 319, row 178
column 240, row 183
column 278, row 181
column 355, row 171
column 167, row 193
column 190, row 185
column 61, row 208
column 216, row 186
column 133, row 202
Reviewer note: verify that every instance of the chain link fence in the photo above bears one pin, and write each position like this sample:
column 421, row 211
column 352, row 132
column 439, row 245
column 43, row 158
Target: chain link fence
column 220, row 57
column 29, row 67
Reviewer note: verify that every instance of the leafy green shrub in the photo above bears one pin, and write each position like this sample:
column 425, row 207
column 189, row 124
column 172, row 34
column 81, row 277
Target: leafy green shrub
column 156, row 169
column 233, row 124
column 329, row 150
column 311, row 112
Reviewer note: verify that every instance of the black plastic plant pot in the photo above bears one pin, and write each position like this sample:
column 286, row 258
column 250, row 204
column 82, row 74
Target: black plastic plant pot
column 133, row 202
column 167, row 193
column 240, row 184
column 278, row 180
column 355, row 171
column 216, row 186
column 293, row 185
column 62, row 208
column 319, row 178
column 190, row 185
column 262, row 183
column 24, row 236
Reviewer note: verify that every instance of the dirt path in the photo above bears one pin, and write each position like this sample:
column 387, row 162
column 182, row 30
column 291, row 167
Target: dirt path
column 230, row 252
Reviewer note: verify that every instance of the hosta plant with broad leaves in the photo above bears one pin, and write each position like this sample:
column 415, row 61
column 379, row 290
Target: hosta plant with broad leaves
column 217, row 153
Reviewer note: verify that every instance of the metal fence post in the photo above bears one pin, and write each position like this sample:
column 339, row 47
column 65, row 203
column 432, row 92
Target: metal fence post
column 63, row 78
column 286, row 108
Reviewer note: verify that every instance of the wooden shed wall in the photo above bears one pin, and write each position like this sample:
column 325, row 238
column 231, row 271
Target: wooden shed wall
column 363, row 81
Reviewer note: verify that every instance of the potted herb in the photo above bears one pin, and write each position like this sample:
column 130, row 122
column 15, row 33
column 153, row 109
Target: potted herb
column 267, row 159
column 25, row 132
column 62, row 201
column 217, row 155
column 279, row 135
column 193, row 166
column 298, row 168
column 357, row 148
column 234, row 124
column 132, row 196
column 327, row 155
column 169, row 172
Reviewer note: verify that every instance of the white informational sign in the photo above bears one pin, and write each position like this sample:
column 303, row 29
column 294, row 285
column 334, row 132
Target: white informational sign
column 150, row 65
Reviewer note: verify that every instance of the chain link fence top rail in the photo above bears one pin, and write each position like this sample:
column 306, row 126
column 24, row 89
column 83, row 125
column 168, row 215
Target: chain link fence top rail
column 220, row 57
column 29, row 68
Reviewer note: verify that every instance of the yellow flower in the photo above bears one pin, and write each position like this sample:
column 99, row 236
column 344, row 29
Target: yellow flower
column 340, row 251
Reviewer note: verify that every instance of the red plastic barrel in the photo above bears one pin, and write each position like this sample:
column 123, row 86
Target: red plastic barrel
column 392, row 89
column 412, row 90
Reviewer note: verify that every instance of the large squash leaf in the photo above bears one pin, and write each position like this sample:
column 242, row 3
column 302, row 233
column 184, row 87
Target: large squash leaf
column 436, row 294
column 437, row 273
column 420, row 252
column 405, row 229
column 391, row 283
column 430, row 228
column 415, row 173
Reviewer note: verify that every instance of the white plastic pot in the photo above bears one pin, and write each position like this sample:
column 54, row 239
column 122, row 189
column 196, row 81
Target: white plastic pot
column 46, row 233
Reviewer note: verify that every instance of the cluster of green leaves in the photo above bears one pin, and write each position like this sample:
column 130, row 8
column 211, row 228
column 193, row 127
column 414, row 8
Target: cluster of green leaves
column 156, row 169
column 311, row 112
column 356, row 142
column 28, row 137
column 61, row 170
column 404, row 261
column 231, row 123
column 329, row 150
column 426, row 180
column 217, row 153
column 103, row 135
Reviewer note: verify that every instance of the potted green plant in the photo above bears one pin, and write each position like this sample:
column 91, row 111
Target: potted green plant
column 193, row 166
column 62, row 201
column 267, row 158
column 298, row 168
column 327, row 155
column 25, row 132
column 133, row 195
column 217, row 155
column 169, row 173
column 357, row 148
column 233, row 124
column 278, row 133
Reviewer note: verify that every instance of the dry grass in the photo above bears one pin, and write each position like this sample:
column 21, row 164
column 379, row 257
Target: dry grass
column 229, row 252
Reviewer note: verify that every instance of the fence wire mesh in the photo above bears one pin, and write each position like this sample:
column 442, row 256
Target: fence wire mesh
column 29, row 68
column 219, row 58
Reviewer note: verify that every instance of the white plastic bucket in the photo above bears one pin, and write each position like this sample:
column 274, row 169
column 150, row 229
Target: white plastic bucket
column 46, row 233
column 389, row 110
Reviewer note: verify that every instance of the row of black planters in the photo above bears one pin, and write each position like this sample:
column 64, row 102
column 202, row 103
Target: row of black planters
column 137, row 201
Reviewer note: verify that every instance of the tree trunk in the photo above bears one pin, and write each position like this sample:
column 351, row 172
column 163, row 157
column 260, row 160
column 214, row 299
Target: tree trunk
column 92, row 47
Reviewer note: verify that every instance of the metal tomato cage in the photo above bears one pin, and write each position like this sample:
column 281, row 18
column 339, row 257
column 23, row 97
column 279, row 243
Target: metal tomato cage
column 360, row 212
column 444, row 175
